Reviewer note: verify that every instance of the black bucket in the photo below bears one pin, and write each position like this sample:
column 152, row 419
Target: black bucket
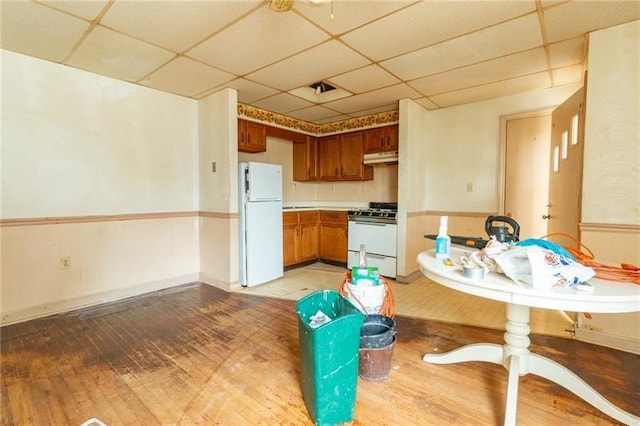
column 375, row 363
column 377, row 331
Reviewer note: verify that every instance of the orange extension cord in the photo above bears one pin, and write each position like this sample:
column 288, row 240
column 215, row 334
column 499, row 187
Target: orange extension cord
column 388, row 303
column 624, row 272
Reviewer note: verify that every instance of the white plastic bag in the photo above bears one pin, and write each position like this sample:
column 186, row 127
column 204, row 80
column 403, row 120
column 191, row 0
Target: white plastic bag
column 542, row 269
column 550, row 269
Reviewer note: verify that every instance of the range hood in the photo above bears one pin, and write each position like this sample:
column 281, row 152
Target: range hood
column 381, row 157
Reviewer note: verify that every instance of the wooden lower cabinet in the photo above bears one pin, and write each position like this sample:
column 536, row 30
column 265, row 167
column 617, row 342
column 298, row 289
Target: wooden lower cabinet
column 300, row 236
column 333, row 236
column 312, row 235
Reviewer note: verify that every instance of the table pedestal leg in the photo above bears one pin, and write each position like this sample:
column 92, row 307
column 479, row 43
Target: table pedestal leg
column 514, row 355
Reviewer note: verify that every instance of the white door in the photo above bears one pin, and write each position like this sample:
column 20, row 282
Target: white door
column 527, row 173
column 565, row 180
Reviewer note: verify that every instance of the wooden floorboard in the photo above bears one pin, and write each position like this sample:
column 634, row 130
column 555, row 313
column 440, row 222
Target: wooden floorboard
column 199, row 355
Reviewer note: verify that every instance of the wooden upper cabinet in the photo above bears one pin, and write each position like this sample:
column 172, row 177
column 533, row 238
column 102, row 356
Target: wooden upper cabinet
column 305, row 160
column 381, row 139
column 328, row 165
column 351, row 153
column 340, row 158
column 252, row 137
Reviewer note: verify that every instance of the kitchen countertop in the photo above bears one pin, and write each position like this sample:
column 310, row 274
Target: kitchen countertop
column 322, row 205
column 309, row 208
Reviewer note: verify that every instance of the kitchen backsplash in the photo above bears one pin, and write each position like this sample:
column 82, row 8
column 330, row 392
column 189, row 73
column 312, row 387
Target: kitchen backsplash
column 383, row 187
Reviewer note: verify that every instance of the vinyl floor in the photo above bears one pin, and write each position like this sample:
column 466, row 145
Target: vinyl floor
column 422, row 299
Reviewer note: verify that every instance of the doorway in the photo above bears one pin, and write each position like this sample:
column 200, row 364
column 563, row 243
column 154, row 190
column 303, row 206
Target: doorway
column 542, row 156
column 526, row 152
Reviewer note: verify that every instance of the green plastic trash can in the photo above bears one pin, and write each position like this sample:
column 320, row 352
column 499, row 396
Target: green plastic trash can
column 329, row 355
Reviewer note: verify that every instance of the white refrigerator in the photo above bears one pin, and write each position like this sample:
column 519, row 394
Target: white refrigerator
column 260, row 224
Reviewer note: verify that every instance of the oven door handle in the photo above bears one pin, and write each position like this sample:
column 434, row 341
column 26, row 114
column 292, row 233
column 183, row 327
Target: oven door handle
column 370, row 223
column 376, row 256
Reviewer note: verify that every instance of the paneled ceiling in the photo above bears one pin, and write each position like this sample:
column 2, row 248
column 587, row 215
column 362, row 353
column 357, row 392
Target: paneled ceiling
column 438, row 53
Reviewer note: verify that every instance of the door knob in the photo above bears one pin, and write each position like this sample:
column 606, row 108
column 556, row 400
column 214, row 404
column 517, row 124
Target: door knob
column 546, row 216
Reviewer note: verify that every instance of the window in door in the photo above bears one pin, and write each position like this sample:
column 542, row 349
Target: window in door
column 574, row 130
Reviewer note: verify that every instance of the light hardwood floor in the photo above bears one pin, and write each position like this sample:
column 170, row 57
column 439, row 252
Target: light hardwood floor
column 199, row 355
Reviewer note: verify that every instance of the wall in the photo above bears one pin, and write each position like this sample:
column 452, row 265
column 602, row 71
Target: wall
column 383, row 187
column 97, row 170
column 443, row 151
column 218, row 133
column 611, row 186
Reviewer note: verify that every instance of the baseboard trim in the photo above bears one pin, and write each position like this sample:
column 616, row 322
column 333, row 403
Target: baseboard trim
column 602, row 339
column 408, row 279
column 226, row 286
column 61, row 306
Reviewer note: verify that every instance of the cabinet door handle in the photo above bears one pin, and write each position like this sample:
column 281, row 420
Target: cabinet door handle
column 546, row 216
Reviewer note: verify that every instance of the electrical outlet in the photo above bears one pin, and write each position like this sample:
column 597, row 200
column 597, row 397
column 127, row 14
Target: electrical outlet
column 65, row 262
column 469, row 187
column 213, row 166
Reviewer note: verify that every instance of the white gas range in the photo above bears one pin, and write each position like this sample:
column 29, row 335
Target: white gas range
column 377, row 229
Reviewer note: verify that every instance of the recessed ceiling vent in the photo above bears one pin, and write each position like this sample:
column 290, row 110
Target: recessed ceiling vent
column 321, row 87
column 320, row 92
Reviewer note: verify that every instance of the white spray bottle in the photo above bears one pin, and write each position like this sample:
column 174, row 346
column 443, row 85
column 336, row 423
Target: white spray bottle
column 443, row 241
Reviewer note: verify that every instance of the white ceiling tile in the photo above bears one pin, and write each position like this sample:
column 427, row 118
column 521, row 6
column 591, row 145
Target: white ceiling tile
column 347, row 14
column 174, row 25
column 430, row 22
column 112, row 54
column 370, row 100
column 184, row 76
column 364, row 79
column 376, row 110
column 568, row 75
column 283, row 102
column 248, row 91
column 426, row 102
column 311, row 114
column 570, row 52
column 262, row 38
column 321, row 62
column 88, row 10
column 513, row 36
column 332, row 119
column 493, row 90
column 454, row 51
column 504, row 68
column 574, row 18
column 39, row 31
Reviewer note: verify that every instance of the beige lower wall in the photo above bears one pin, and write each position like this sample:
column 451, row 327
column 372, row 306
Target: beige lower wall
column 110, row 259
column 613, row 244
column 219, row 250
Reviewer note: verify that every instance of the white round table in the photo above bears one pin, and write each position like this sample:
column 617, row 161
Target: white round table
column 514, row 355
